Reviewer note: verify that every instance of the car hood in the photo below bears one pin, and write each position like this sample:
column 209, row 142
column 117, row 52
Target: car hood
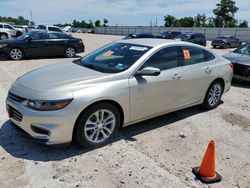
column 9, row 41
column 238, row 58
column 62, row 79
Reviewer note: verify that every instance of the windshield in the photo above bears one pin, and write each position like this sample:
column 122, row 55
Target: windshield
column 244, row 49
column 113, row 58
column 26, row 35
column 183, row 36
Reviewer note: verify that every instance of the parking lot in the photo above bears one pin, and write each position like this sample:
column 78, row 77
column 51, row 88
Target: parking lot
column 156, row 153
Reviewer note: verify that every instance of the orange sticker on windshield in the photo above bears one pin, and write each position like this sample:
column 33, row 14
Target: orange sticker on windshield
column 108, row 53
column 186, row 54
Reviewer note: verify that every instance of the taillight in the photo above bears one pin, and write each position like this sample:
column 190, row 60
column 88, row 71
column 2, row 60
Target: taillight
column 232, row 66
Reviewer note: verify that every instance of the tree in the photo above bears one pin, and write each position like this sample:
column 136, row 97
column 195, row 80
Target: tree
column 97, row 23
column 224, row 13
column 186, row 22
column 105, row 22
column 210, row 22
column 169, row 21
column 200, row 20
column 243, row 24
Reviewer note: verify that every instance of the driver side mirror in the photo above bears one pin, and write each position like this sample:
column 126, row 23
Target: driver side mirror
column 148, row 71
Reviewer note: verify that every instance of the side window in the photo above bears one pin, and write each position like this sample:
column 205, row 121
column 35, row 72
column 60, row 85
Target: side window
column 209, row 56
column 40, row 36
column 192, row 55
column 53, row 36
column 8, row 27
column 164, row 59
column 1, row 26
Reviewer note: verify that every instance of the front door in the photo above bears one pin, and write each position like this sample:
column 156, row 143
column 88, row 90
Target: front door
column 37, row 45
column 152, row 95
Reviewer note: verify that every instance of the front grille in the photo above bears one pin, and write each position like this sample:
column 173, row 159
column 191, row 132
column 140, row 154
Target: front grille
column 242, row 70
column 16, row 98
column 13, row 113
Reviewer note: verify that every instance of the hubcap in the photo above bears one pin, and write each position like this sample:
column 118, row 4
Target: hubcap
column 214, row 95
column 16, row 54
column 70, row 52
column 99, row 126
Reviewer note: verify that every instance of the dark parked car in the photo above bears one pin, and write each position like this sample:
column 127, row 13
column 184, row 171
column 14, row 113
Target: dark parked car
column 40, row 43
column 170, row 34
column 138, row 35
column 226, row 42
column 196, row 38
column 241, row 62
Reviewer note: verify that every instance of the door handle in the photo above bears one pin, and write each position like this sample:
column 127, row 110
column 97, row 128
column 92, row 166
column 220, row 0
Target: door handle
column 208, row 70
column 176, row 77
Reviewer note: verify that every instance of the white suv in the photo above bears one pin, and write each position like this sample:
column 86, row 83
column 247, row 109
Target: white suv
column 50, row 28
column 6, row 31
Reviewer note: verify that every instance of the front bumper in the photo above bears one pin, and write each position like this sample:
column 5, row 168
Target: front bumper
column 49, row 127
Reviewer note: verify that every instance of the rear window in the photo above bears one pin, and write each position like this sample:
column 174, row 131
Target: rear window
column 42, row 27
column 54, row 29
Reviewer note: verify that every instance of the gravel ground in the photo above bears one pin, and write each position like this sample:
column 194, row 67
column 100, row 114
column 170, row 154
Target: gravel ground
column 148, row 154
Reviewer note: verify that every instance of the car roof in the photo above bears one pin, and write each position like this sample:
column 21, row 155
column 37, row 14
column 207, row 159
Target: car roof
column 153, row 42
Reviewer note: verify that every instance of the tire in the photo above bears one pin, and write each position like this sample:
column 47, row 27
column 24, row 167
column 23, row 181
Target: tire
column 213, row 95
column 16, row 54
column 3, row 36
column 18, row 33
column 91, row 130
column 70, row 52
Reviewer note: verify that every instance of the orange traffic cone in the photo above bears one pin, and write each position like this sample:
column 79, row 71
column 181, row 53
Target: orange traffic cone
column 206, row 172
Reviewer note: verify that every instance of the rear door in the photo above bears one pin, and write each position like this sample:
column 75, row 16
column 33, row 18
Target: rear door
column 152, row 95
column 196, row 75
column 57, row 43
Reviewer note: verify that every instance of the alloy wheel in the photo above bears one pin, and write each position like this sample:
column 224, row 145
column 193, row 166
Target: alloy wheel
column 70, row 52
column 3, row 36
column 16, row 54
column 214, row 94
column 99, row 126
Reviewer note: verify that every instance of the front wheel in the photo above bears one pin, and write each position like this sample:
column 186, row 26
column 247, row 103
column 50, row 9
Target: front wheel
column 213, row 95
column 97, row 125
column 16, row 54
column 70, row 52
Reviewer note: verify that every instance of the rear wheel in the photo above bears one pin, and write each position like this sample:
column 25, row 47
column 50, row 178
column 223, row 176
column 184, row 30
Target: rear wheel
column 97, row 125
column 16, row 54
column 3, row 36
column 213, row 95
column 70, row 52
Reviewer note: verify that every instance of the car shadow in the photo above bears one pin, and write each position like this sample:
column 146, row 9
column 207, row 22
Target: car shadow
column 42, row 57
column 21, row 147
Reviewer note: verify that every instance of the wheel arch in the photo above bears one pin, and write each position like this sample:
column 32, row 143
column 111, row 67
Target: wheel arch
column 114, row 103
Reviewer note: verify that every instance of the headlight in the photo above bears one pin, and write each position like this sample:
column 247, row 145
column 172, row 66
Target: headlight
column 48, row 105
column 3, row 45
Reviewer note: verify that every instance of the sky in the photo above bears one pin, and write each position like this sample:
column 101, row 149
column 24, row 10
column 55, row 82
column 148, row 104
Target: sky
column 118, row 12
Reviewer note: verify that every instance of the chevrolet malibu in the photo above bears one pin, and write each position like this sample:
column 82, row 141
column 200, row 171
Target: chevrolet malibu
column 122, row 83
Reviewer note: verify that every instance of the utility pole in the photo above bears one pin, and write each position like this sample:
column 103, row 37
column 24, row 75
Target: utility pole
column 31, row 16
